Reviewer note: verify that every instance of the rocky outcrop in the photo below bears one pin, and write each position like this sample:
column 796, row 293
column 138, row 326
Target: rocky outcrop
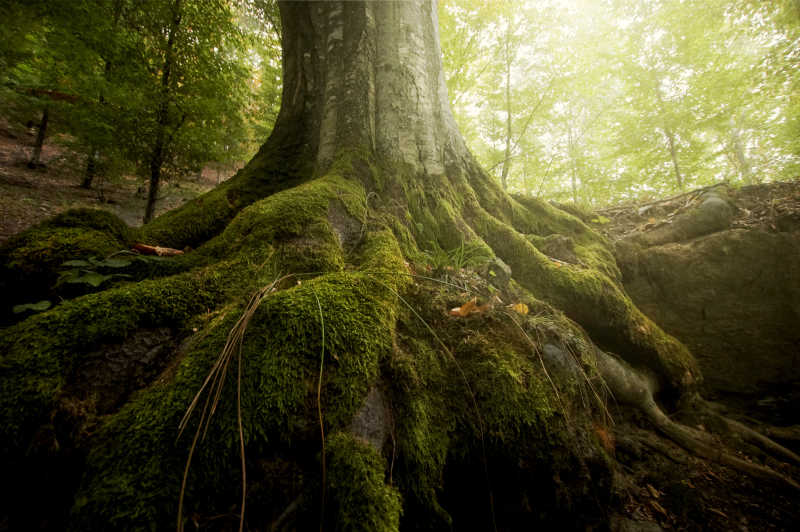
column 720, row 270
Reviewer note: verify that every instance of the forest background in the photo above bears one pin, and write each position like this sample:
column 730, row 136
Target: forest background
column 589, row 101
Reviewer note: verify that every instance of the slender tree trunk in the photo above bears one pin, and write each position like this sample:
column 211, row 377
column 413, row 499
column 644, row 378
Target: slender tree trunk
column 573, row 165
column 745, row 169
column 673, row 152
column 507, row 157
column 40, row 136
column 91, row 168
column 162, row 117
column 94, row 152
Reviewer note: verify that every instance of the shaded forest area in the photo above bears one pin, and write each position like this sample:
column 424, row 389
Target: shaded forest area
column 479, row 266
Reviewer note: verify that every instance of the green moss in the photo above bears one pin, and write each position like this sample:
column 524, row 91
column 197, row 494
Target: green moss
column 134, row 469
column 489, row 408
column 39, row 354
column 195, row 222
column 30, row 262
column 359, row 496
column 297, row 224
column 597, row 302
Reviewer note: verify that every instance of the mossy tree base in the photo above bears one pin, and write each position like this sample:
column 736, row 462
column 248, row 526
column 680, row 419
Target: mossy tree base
column 495, row 418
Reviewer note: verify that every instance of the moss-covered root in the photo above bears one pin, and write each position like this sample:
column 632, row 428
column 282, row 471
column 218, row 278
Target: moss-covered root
column 596, row 302
column 360, row 499
column 40, row 354
column 632, row 388
column 134, row 470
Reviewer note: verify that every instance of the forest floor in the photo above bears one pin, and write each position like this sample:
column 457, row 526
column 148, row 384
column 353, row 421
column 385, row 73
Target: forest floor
column 28, row 196
column 770, row 207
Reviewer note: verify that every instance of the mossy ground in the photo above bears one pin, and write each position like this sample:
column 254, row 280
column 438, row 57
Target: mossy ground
column 483, row 427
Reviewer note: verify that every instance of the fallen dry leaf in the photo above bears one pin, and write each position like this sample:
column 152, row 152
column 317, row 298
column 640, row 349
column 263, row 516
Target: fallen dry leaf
column 470, row 307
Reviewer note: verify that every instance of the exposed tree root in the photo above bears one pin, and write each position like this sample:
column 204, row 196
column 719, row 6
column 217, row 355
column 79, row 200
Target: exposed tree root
column 631, row 387
column 749, row 435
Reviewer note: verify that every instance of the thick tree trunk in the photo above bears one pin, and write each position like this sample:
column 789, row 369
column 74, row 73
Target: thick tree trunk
column 365, row 75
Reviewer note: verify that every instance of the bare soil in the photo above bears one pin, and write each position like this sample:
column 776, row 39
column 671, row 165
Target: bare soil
column 28, row 196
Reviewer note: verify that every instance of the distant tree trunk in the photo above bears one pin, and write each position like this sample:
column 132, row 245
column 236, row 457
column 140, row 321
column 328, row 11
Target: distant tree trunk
column 40, row 136
column 162, row 119
column 94, row 152
column 91, row 168
column 507, row 156
column 673, row 152
column 745, row 169
column 573, row 165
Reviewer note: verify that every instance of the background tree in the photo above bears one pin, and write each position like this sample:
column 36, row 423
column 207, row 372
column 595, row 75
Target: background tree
column 672, row 80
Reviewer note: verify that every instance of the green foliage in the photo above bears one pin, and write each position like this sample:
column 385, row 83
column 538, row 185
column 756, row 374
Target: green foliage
column 94, row 272
column 174, row 84
column 605, row 101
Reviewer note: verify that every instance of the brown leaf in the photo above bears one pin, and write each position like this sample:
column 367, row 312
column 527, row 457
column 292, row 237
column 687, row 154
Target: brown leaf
column 464, row 310
column 654, row 492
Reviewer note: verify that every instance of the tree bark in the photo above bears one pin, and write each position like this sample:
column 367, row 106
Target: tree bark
column 41, row 132
column 91, row 168
column 366, row 75
column 162, row 116
column 673, row 153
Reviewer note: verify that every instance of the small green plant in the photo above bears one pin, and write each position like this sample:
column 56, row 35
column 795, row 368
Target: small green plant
column 94, row 271
column 91, row 271
column 466, row 255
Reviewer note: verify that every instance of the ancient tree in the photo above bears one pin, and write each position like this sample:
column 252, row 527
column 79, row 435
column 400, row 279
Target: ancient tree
column 300, row 365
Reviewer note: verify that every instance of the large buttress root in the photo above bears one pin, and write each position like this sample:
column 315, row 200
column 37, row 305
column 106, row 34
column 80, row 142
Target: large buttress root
column 635, row 389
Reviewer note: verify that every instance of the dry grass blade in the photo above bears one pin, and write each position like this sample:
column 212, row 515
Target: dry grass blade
column 319, row 409
column 214, row 383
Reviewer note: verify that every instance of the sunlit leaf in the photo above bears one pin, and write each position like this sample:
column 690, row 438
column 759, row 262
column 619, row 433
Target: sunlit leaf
column 520, row 308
